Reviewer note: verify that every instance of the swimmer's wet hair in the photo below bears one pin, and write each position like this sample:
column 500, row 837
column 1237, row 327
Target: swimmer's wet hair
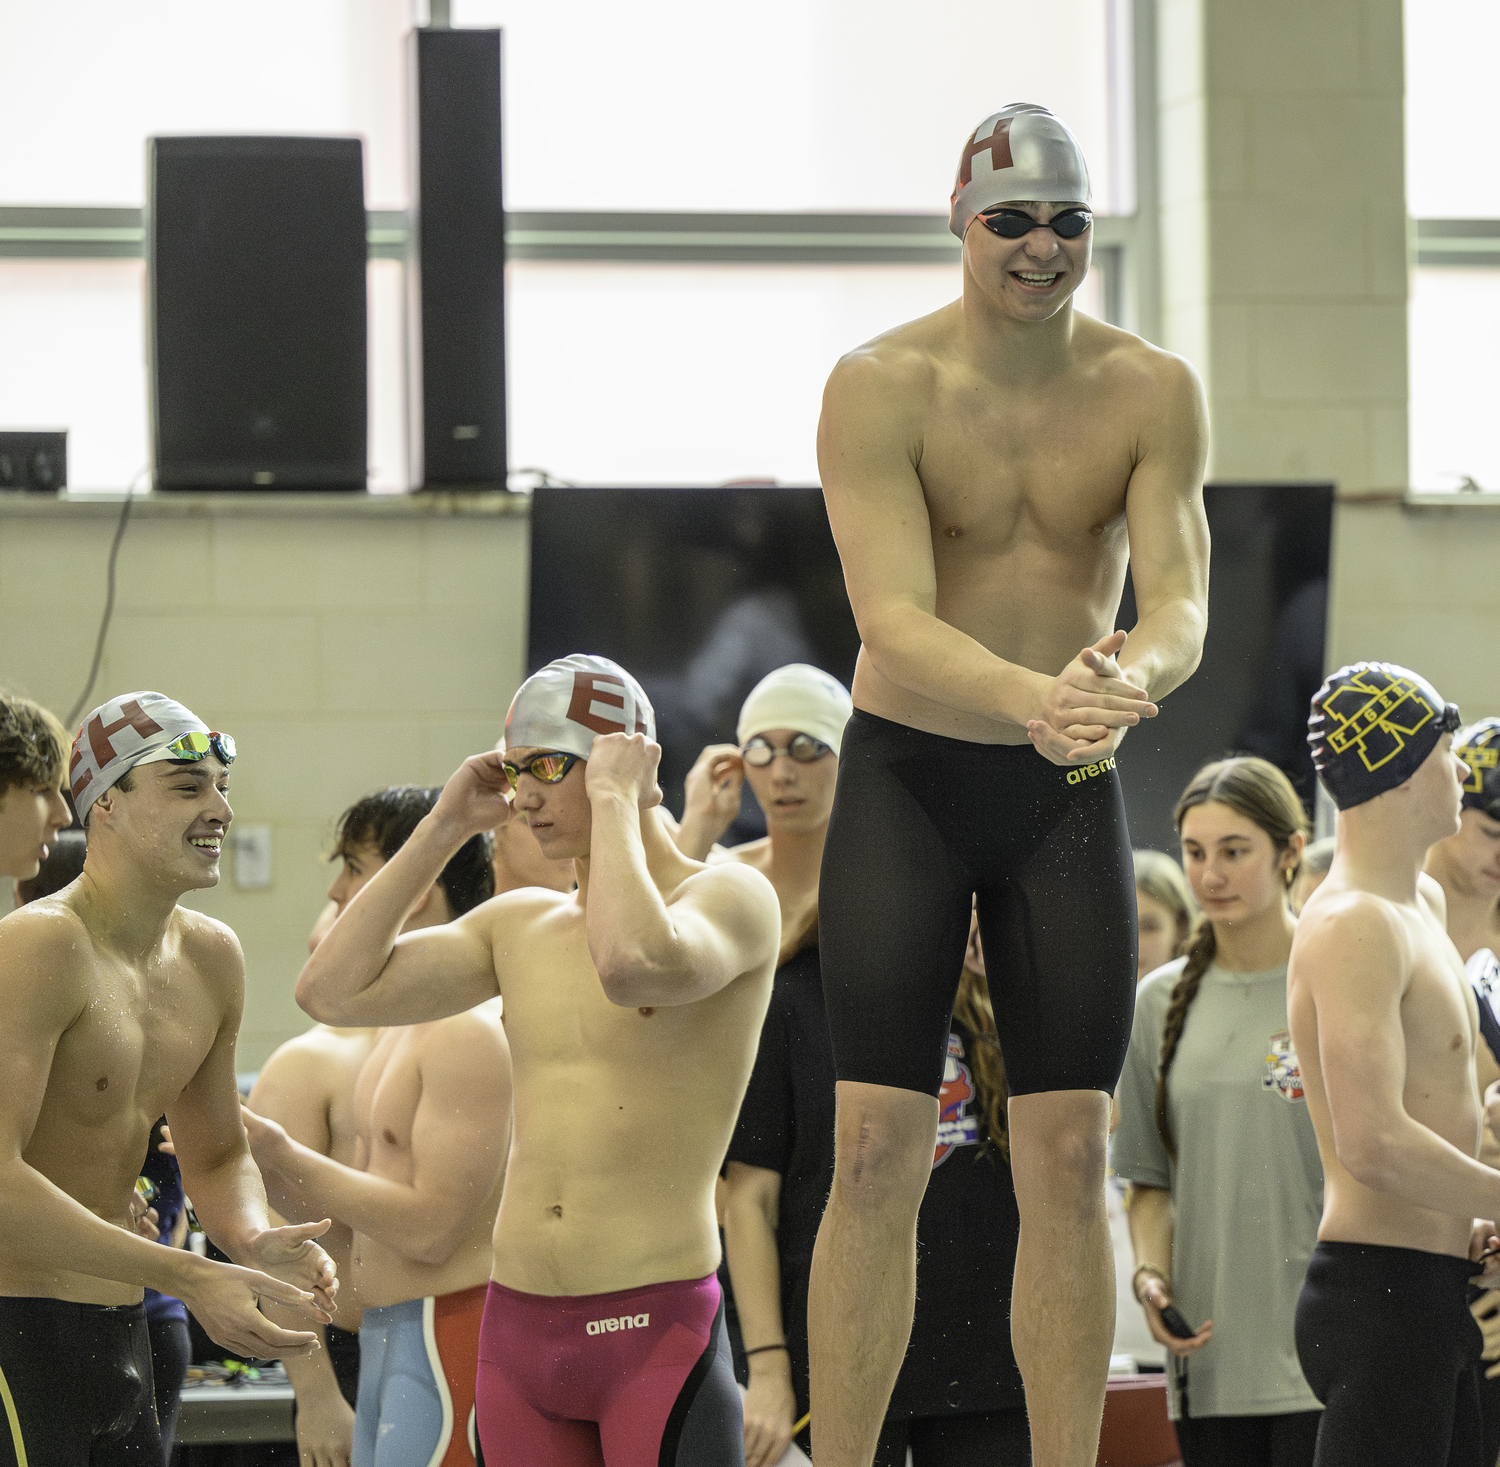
column 386, row 821
column 33, row 744
column 1264, row 795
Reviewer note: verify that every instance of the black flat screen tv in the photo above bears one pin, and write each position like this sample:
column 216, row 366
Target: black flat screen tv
column 701, row 592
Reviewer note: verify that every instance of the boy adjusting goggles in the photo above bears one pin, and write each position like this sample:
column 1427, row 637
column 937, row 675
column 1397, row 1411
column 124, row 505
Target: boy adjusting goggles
column 548, row 768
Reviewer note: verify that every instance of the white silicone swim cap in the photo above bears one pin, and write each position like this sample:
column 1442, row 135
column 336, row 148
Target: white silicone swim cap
column 570, row 702
column 118, row 735
column 800, row 697
column 1019, row 154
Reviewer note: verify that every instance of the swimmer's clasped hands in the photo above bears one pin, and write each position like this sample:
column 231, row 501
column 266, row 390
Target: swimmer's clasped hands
column 1087, row 707
column 292, row 1254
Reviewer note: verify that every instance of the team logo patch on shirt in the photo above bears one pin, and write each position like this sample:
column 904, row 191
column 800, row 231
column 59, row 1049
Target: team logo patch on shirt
column 956, row 1127
column 1283, row 1074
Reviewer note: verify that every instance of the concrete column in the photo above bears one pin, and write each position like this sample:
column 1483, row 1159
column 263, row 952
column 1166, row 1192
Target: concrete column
column 1283, row 231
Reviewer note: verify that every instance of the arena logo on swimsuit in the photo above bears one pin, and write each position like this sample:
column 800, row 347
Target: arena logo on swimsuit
column 623, row 1321
column 1077, row 776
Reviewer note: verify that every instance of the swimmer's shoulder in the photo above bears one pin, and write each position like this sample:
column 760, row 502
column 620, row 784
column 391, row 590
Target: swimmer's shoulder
column 1129, row 363
column 475, row 1034
column 903, row 366
column 211, row 946
column 319, row 1054
column 46, row 953
column 1343, row 926
column 517, row 910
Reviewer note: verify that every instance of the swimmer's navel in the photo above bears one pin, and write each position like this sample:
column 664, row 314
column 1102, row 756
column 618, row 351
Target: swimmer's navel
column 556, row 1209
column 954, row 532
column 390, row 1136
column 645, row 1013
column 102, row 1083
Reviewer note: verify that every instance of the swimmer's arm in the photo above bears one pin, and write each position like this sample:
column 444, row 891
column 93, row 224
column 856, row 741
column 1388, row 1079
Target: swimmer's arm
column 1168, row 536
column 1349, row 959
column 288, row 1091
column 721, row 922
column 752, row 1210
column 365, row 972
column 867, row 456
column 459, row 1138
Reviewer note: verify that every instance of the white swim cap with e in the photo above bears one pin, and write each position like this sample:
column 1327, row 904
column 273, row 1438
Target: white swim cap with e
column 570, row 702
column 800, row 697
column 132, row 729
column 1021, row 153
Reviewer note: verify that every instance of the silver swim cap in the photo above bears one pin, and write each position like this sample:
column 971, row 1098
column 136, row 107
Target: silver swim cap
column 569, row 703
column 1021, row 153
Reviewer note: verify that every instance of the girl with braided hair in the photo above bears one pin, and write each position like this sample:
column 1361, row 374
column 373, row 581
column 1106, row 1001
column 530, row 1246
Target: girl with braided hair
column 1227, row 1187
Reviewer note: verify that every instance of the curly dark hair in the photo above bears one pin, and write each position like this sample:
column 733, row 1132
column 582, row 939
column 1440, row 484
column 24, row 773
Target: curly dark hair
column 33, row 744
column 386, row 819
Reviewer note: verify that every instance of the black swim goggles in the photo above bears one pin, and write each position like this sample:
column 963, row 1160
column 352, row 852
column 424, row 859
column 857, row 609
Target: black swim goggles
column 549, row 768
column 196, row 745
column 804, row 748
column 1017, row 223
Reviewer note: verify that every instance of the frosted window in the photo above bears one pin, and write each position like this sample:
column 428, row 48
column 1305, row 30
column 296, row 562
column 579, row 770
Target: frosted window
column 1452, row 123
column 1455, row 377
column 77, row 361
column 84, row 82
column 673, row 105
column 665, row 374
column 856, row 105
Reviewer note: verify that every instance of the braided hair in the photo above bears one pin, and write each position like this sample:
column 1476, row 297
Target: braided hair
column 972, row 1009
column 1260, row 792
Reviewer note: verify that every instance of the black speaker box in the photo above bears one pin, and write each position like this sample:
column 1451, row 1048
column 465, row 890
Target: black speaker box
column 456, row 262
column 256, row 253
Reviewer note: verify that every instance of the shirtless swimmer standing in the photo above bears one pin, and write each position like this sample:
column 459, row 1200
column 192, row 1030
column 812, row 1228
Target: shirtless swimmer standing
column 633, row 1008
column 988, row 470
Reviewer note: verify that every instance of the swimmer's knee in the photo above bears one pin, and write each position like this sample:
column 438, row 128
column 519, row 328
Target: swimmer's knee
column 1062, row 1137
column 885, row 1140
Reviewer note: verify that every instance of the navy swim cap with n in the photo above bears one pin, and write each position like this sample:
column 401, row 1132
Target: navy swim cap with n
column 1371, row 727
column 1479, row 747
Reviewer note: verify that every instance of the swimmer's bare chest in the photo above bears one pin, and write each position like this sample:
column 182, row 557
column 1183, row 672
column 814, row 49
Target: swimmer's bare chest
column 1025, row 493
column 140, row 1037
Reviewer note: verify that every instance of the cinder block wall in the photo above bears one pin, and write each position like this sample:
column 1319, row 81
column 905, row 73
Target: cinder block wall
column 369, row 643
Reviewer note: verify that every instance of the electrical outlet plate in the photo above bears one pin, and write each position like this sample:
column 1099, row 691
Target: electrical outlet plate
column 252, row 856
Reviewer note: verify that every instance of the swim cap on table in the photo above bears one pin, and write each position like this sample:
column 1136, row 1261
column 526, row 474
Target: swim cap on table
column 133, row 729
column 1372, row 725
column 1019, row 154
column 570, row 702
column 1479, row 747
column 800, row 697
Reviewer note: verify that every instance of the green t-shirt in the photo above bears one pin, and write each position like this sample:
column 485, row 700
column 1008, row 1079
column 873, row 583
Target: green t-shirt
column 1247, row 1188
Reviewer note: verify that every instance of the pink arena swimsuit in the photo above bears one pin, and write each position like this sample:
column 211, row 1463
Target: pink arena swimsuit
column 638, row 1378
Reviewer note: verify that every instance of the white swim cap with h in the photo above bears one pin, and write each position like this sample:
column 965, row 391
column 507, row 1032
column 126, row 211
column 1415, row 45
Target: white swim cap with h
column 569, row 703
column 799, row 697
column 132, row 729
column 1021, row 153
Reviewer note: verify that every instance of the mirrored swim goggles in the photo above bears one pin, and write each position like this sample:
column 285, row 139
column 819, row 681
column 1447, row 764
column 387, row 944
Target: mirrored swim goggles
column 804, row 748
column 194, row 746
column 1017, row 223
column 548, row 768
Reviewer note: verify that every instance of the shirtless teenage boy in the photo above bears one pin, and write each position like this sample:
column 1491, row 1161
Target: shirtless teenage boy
column 988, row 470
column 120, row 1005
column 1385, row 1024
column 633, row 1008
column 431, row 1110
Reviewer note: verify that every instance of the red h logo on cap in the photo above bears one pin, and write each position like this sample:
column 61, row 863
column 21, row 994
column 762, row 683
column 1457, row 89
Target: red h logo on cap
column 998, row 142
column 132, row 715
